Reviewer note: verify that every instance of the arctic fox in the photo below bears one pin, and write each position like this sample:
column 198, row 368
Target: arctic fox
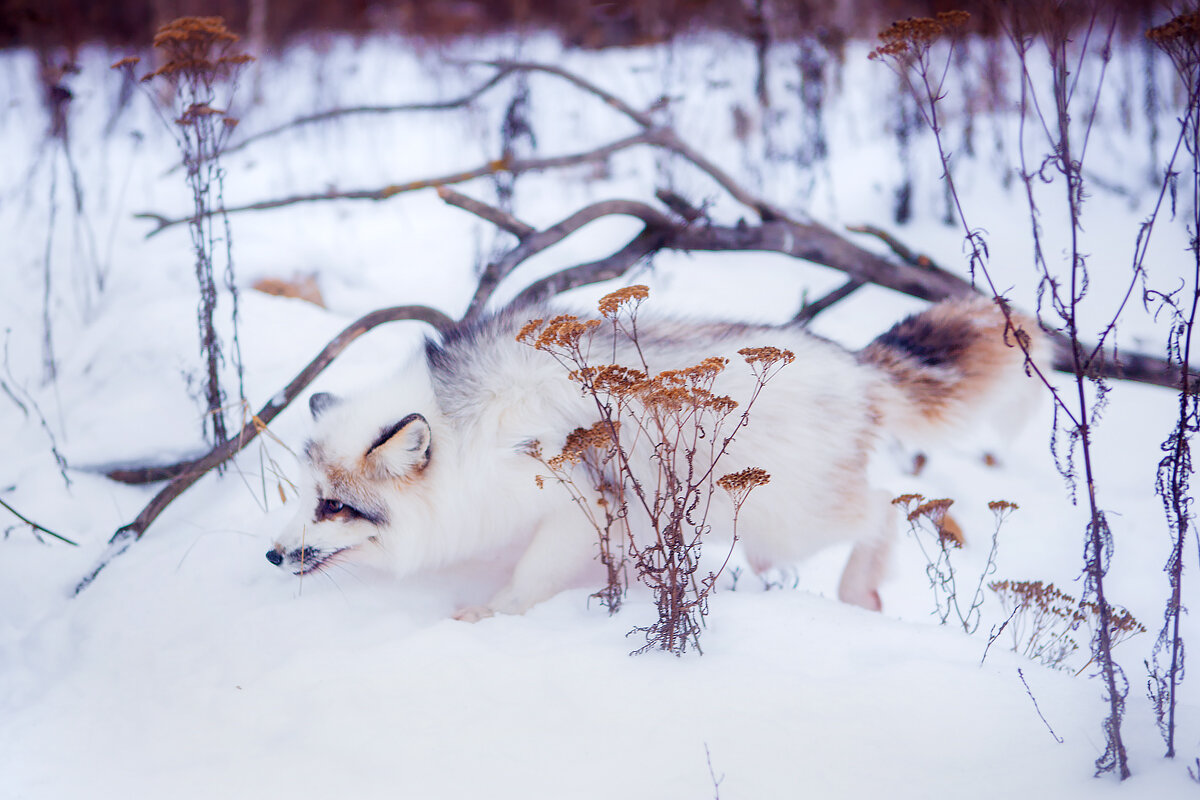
column 434, row 467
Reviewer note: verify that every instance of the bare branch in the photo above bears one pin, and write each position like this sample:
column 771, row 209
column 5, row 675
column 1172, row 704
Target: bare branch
column 511, row 166
column 538, row 241
column 666, row 138
column 498, row 217
column 641, row 118
column 333, row 113
column 184, row 475
column 894, row 244
column 810, row 310
column 649, row 241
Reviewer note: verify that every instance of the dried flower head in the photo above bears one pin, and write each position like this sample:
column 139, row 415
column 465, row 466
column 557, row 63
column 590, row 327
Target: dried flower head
column 1185, row 27
column 197, row 48
column 740, row 484
column 192, row 114
column 562, row 333
column 612, row 303
column 766, row 361
column 611, row 379
column 909, row 40
column 1039, row 596
column 599, row 437
column 526, row 334
column 674, row 390
column 1180, row 40
column 934, row 511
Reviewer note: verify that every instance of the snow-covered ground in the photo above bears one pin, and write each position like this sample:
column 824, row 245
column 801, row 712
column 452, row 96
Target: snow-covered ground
column 191, row 668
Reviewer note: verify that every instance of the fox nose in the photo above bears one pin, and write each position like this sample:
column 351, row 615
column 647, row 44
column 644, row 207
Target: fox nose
column 275, row 557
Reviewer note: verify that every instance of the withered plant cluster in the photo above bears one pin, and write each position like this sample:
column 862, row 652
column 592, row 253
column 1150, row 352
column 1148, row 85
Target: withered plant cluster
column 1180, row 40
column 198, row 70
column 645, row 473
column 1059, row 112
column 1044, row 620
column 938, row 536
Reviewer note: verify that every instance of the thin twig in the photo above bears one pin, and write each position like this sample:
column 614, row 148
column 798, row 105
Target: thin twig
column 194, row 470
column 334, row 113
column 511, row 166
column 810, row 310
column 1037, row 708
column 35, row 526
column 995, row 633
column 498, row 217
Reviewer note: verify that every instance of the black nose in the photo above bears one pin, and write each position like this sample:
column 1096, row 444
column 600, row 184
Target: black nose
column 275, row 557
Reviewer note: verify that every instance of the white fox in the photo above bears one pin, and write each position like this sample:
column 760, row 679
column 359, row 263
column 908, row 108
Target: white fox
column 433, row 467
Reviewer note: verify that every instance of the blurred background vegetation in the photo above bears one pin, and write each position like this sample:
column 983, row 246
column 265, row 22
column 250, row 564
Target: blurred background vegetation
column 583, row 23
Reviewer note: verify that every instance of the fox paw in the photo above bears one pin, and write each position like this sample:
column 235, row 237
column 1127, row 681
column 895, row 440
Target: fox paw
column 473, row 613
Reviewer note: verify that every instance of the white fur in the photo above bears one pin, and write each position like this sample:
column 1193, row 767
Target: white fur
column 488, row 396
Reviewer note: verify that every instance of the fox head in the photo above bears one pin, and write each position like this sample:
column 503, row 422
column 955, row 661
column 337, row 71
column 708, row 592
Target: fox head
column 360, row 476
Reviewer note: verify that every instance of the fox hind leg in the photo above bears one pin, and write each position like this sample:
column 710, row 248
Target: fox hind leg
column 868, row 563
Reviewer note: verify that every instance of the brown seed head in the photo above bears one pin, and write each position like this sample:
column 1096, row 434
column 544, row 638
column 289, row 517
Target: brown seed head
column 561, row 333
column 907, row 500
column 909, row 40
column 764, row 357
column 740, row 483
column 597, row 437
column 197, row 47
column 1182, row 29
column 1002, row 507
column 612, row 379
column 611, row 304
column 1180, row 40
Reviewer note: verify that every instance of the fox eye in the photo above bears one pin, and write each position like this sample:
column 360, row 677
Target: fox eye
column 328, row 508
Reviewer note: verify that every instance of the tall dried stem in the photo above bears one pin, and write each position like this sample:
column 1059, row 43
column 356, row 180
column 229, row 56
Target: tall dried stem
column 1180, row 39
column 199, row 69
column 1068, row 39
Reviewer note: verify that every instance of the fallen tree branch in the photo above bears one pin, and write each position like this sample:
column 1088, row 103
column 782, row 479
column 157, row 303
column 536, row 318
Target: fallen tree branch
column 914, row 275
column 641, row 246
column 334, row 113
column 537, row 241
column 810, row 310
column 651, row 134
column 187, row 473
column 895, row 245
column 498, row 217
column 667, row 138
column 512, row 166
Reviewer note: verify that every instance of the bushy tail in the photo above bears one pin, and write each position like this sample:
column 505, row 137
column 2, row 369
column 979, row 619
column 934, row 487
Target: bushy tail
column 953, row 363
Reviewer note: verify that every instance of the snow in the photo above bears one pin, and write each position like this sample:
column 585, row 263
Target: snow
column 190, row 667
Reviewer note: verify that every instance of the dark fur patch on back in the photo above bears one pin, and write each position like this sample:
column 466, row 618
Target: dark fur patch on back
column 931, row 343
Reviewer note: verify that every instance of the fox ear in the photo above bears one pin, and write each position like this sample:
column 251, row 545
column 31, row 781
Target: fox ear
column 321, row 402
column 403, row 448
